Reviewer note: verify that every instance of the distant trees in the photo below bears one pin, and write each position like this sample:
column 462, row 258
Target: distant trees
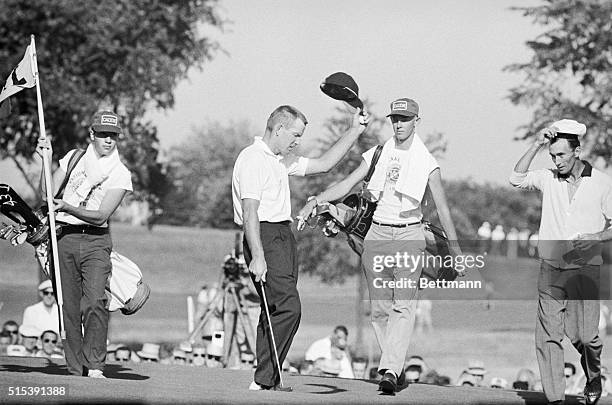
column 570, row 70
column 127, row 55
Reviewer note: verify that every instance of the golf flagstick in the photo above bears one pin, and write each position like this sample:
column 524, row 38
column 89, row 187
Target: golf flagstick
column 49, row 190
column 263, row 294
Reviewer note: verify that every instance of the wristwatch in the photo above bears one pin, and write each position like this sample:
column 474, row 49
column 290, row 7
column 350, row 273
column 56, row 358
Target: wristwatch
column 312, row 197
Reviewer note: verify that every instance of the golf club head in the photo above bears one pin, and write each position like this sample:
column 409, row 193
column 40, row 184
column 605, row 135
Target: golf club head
column 341, row 86
column 283, row 388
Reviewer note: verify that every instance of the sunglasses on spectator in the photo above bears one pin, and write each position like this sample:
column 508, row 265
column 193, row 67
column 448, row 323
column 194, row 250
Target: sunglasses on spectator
column 199, row 355
column 47, row 292
column 49, row 341
column 122, row 358
column 13, row 332
column 210, row 356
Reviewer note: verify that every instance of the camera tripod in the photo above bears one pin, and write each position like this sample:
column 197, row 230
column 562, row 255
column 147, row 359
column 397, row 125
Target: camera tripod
column 229, row 291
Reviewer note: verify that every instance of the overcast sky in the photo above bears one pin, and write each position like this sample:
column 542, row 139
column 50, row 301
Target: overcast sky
column 448, row 55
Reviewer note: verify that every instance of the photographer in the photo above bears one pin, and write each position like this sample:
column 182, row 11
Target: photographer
column 236, row 272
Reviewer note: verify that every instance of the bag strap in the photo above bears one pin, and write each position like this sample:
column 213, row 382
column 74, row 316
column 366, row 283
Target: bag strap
column 72, row 162
column 368, row 176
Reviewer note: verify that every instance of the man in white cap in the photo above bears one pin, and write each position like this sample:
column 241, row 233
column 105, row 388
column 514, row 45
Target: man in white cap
column 43, row 315
column 576, row 207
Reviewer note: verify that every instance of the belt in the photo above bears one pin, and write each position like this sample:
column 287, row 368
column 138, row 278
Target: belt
column 397, row 225
column 84, row 229
column 286, row 223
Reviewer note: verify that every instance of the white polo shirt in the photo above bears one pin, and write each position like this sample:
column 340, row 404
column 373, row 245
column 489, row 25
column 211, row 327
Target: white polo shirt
column 263, row 176
column 563, row 220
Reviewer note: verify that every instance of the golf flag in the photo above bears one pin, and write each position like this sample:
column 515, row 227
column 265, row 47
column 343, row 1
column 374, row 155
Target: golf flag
column 22, row 77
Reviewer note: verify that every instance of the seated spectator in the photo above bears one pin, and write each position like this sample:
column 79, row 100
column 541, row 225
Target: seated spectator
column 525, row 380
column 49, row 341
column 414, row 368
column 12, row 328
column 498, row 382
column 166, row 354
column 359, row 367
column 5, row 340
column 44, row 314
column 186, row 347
column 29, row 339
column 373, row 374
column 179, row 357
column 332, row 349
column 111, row 349
column 149, row 353
column 466, row 380
column 16, row 350
column 569, row 370
column 123, row 354
column 214, row 354
column 477, row 370
column 198, row 355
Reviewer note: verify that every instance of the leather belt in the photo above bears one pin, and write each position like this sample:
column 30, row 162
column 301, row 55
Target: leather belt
column 397, row 225
column 83, row 229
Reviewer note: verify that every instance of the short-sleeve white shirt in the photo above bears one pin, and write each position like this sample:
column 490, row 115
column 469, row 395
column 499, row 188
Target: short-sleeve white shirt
column 263, row 176
column 119, row 178
column 563, row 220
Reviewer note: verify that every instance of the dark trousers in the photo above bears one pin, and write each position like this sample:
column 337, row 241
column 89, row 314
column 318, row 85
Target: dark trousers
column 568, row 305
column 85, row 267
column 280, row 252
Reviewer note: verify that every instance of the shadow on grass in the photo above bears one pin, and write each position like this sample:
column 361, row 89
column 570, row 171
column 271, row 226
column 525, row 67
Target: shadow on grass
column 331, row 389
column 538, row 398
column 111, row 371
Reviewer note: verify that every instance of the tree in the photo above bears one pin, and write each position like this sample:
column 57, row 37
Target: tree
column 570, row 71
column 126, row 55
column 201, row 172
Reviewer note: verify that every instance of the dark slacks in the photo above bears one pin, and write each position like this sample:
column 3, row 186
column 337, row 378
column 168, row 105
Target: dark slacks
column 567, row 305
column 85, row 267
column 280, row 251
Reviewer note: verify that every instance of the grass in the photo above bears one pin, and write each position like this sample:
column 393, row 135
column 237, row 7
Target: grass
column 176, row 262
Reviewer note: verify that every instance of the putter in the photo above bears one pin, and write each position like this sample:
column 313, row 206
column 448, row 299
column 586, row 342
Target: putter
column 278, row 365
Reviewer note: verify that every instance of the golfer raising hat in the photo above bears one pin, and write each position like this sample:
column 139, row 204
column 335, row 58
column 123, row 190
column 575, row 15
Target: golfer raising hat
column 576, row 207
column 95, row 188
column 262, row 206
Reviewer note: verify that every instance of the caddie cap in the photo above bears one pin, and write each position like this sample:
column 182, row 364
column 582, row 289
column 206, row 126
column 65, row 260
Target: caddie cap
column 569, row 129
column 45, row 285
column 404, row 106
column 30, row 331
column 106, row 121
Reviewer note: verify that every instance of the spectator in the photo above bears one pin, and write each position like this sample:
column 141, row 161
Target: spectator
column 123, row 354
column 432, row 377
column 49, row 341
column 16, row 350
column 415, row 367
column 604, row 313
column 209, row 301
column 523, row 241
column 497, row 238
column 466, row 379
column 359, row 368
column 525, row 380
column 484, row 236
column 179, row 357
column 214, row 354
column 498, row 382
column 43, row 315
column 198, row 355
column 12, row 328
column 247, row 361
column 569, row 370
column 29, row 338
column 322, row 349
column 373, row 374
column 5, row 340
column 149, row 352
column 512, row 243
column 188, row 349
column 111, row 350
column 477, row 370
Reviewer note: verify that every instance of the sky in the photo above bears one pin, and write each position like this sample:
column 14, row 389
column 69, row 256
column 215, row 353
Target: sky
column 448, row 55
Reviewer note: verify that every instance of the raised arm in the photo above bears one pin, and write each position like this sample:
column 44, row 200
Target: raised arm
column 543, row 139
column 258, row 266
column 439, row 197
column 329, row 159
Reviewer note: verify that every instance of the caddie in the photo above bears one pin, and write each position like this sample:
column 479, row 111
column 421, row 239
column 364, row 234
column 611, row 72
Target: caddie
column 96, row 186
